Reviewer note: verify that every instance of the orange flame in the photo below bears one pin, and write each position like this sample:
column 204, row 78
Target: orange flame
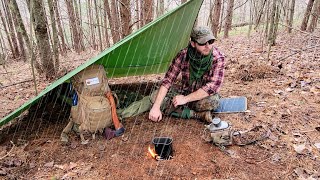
column 151, row 151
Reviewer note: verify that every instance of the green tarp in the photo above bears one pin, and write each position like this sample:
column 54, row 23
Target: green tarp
column 147, row 51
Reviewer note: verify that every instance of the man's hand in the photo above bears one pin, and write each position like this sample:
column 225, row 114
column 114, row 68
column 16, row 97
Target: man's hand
column 155, row 114
column 179, row 100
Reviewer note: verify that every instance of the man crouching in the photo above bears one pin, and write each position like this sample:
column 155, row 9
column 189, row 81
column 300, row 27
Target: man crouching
column 202, row 69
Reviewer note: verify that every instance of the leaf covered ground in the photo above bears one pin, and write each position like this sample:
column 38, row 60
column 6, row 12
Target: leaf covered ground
column 282, row 92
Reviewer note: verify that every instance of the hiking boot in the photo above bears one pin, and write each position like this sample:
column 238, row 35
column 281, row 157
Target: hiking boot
column 204, row 115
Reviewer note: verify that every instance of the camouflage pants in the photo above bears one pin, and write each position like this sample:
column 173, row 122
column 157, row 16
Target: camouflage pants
column 209, row 103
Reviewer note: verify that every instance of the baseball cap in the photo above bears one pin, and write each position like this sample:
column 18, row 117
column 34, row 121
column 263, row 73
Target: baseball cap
column 202, row 34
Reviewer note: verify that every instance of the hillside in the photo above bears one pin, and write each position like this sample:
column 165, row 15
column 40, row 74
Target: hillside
column 283, row 95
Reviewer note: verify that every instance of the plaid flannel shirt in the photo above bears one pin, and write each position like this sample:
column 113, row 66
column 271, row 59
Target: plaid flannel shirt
column 211, row 80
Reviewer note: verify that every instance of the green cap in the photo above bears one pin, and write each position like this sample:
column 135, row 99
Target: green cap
column 202, row 34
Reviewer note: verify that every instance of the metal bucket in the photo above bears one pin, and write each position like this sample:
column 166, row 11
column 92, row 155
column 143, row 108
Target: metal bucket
column 163, row 147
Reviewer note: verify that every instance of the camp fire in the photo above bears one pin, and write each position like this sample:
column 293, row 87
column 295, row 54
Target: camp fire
column 154, row 154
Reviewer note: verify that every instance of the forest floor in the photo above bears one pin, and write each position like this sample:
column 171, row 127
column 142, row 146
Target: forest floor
column 282, row 92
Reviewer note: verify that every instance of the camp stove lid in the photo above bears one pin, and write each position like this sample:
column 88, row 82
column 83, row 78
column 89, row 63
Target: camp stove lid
column 217, row 124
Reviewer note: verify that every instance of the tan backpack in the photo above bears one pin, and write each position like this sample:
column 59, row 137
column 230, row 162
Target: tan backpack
column 93, row 111
column 92, row 81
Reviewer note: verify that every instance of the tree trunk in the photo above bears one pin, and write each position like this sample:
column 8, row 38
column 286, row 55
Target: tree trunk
column 12, row 35
column 41, row 32
column 125, row 17
column 148, row 11
column 106, row 34
column 160, row 7
column 77, row 12
column 276, row 24
column 21, row 27
column 75, row 34
column 286, row 7
column 116, row 29
column 291, row 13
column 250, row 19
column 137, row 14
column 307, row 15
column 33, row 62
column 54, row 35
column 3, row 51
column 216, row 17
column 221, row 15
column 260, row 13
column 91, row 25
column 23, row 55
column 315, row 16
column 142, row 16
column 274, row 21
column 30, row 42
column 267, row 24
column 228, row 21
column 271, row 38
column 2, row 15
column 111, row 21
column 98, row 24
column 63, row 47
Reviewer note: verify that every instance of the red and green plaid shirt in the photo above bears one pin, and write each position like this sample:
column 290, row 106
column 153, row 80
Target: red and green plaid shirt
column 211, row 81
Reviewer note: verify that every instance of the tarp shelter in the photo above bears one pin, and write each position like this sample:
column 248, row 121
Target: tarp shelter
column 147, row 51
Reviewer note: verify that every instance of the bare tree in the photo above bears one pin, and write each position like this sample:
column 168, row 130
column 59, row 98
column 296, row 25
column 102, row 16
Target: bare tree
column 3, row 49
column 267, row 21
column 41, row 32
column 291, row 13
column 91, row 24
column 222, row 15
column 22, row 51
column 107, row 9
column 141, row 15
column 116, row 28
column 11, row 30
column 147, row 9
column 33, row 62
column 54, row 35
column 98, row 24
column 260, row 13
column 271, row 32
column 3, row 55
column 160, row 7
column 228, row 22
column 75, row 33
column 22, row 29
column 274, row 21
column 315, row 16
column 137, row 14
column 250, row 18
column 125, row 17
column 77, row 13
column 216, row 17
column 306, row 15
column 63, row 45
column 2, row 15
column 106, row 33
